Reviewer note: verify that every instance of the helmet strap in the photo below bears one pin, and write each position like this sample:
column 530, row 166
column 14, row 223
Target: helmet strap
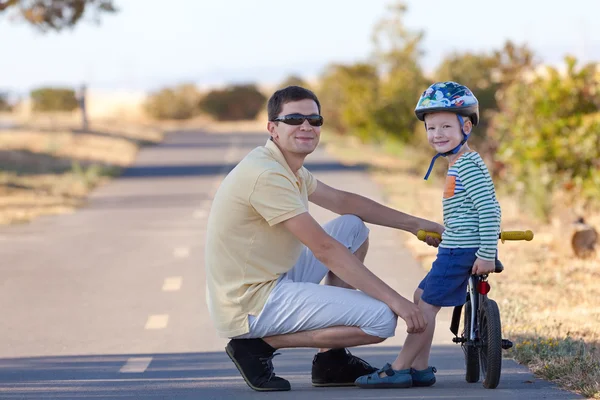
column 454, row 150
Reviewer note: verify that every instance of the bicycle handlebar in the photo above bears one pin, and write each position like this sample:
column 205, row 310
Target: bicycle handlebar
column 504, row 235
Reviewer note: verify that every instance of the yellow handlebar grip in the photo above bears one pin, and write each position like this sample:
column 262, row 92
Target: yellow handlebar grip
column 516, row 235
column 421, row 235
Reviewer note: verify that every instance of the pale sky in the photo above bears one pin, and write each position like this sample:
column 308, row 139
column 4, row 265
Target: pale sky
column 147, row 45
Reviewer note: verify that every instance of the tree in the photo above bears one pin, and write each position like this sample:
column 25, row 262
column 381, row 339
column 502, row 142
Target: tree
column 549, row 135
column 234, row 103
column 348, row 94
column 180, row 102
column 294, row 80
column 56, row 15
column 50, row 99
column 397, row 53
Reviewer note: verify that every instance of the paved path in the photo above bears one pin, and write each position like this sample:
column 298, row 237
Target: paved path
column 108, row 302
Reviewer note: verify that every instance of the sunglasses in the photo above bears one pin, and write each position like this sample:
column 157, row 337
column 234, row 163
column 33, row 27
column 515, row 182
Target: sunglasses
column 298, row 119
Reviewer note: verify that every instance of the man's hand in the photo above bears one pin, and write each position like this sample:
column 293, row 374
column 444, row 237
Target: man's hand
column 483, row 267
column 411, row 314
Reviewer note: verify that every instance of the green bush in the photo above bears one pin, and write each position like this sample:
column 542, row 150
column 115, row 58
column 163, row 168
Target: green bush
column 180, row 102
column 53, row 99
column 234, row 103
column 549, row 132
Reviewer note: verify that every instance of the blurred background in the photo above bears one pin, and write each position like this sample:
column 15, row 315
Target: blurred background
column 84, row 84
column 533, row 69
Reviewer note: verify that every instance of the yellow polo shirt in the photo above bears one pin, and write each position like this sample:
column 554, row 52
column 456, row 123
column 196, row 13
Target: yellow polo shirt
column 246, row 247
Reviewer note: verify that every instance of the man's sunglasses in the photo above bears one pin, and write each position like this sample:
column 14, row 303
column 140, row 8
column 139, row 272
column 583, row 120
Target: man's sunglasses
column 298, row 119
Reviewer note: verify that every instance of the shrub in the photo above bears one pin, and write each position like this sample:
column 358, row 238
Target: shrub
column 234, row 103
column 53, row 99
column 173, row 103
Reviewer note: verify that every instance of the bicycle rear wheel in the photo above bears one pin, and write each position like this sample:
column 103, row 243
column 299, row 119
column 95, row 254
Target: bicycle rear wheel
column 469, row 348
column 490, row 352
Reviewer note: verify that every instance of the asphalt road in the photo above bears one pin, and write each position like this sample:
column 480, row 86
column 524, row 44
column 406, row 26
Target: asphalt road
column 109, row 301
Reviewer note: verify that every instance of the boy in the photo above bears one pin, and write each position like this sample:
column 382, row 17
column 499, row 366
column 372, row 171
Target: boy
column 471, row 220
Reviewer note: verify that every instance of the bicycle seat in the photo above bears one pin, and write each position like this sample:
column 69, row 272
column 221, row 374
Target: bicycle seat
column 499, row 267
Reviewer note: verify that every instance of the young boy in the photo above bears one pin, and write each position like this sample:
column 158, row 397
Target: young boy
column 471, row 220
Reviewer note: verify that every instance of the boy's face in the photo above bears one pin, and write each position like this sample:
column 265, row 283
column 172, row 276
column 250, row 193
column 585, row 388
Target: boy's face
column 298, row 139
column 443, row 130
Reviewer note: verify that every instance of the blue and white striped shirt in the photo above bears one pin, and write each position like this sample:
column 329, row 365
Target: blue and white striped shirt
column 472, row 213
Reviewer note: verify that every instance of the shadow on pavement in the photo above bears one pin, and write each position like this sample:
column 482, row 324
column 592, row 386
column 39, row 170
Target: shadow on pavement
column 162, row 171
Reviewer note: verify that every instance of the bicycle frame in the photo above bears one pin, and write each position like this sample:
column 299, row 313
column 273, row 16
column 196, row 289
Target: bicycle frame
column 474, row 296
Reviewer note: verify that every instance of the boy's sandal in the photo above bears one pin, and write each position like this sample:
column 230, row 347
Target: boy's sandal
column 391, row 379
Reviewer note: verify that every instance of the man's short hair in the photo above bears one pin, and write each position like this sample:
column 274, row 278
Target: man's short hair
column 287, row 95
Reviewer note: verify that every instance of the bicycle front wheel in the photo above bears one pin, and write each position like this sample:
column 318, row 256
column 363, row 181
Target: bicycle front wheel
column 490, row 353
column 470, row 349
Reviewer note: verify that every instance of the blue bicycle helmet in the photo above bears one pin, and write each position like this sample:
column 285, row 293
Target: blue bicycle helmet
column 450, row 97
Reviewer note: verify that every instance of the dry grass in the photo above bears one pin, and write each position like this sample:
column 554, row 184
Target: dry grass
column 48, row 167
column 545, row 294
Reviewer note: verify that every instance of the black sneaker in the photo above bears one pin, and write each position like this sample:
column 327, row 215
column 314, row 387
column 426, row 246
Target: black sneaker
column 338, row 367
column 253, row 358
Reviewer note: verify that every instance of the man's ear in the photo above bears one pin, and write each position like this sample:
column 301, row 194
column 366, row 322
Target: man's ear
column 271, row 128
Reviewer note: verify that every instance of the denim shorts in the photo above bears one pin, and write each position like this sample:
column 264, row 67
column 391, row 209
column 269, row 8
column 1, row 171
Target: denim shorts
column 446, row 283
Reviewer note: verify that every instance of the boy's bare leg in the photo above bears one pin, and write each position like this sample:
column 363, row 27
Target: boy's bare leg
column 423, row 356
column 418, row 345
column 333, row 337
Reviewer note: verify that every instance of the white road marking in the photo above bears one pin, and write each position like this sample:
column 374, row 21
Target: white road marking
column 172, row 284
column 136, row 364
column 158, row 321
column 181, row 252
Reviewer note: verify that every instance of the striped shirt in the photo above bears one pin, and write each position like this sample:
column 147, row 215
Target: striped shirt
column 471, row 211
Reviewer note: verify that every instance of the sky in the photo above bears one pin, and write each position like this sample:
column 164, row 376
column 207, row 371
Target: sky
column 150, row 44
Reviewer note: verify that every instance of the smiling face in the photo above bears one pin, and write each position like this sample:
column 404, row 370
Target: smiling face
column 296, row 140
column 443, row 130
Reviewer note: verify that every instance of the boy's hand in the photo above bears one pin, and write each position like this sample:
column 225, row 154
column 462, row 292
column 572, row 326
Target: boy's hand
column 430, row 226
column 482, row 267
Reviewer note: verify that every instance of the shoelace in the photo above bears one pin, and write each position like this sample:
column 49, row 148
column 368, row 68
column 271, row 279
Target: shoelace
column 268, row 363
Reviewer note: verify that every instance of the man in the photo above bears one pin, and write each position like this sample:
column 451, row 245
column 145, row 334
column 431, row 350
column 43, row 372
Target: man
column 266, row 255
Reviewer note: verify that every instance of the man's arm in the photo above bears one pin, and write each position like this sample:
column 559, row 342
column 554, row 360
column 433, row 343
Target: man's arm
column 370, row 211
column 351, row 270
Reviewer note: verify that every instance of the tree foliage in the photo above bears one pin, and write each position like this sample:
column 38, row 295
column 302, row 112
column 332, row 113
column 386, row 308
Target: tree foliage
column 53, row 99
column 348, row 96
column 376, row 99
column 56, row 15
column 549, row 133
column 180, row 102
column 234, row 103
column 294, row 80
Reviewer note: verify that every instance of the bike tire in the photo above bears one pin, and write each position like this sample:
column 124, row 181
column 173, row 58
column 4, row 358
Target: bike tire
column 491, row 340
column 470, row 350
